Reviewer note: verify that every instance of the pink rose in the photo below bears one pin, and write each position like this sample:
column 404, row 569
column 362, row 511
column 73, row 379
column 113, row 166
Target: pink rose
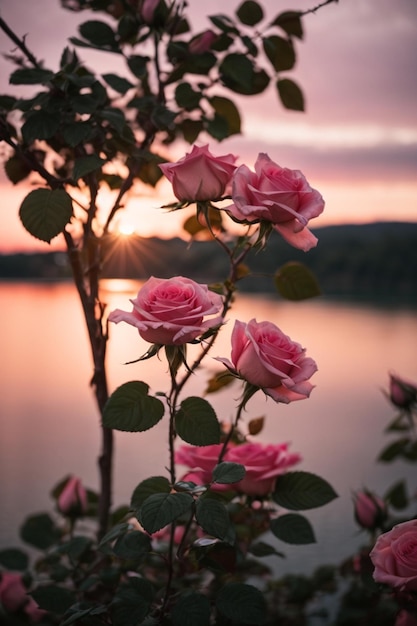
column 403, row 394
column 263, row 464
column 148, row 9
column 278, row 195
column 171, row 311
column 14, row 596
column 266, row 358
column 200, row 176
column 370, row 510
column 203, row 42
column 394, row 556
column 200, row 459
column 72, row 500
column 404, row 618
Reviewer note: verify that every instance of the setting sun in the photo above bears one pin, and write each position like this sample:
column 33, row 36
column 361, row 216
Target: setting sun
column 125, row 229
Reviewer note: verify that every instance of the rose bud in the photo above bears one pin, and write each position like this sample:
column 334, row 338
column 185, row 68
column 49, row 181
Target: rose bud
column 370, row 510
column 72, row 501
column 402, row 393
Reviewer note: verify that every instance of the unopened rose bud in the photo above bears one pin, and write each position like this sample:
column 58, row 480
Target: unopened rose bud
column 370, row 510
column 148, row 9
column 202, row 43
column 72, row 500
column 402, row 394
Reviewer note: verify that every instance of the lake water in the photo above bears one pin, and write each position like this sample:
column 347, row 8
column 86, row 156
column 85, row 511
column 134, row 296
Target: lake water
column 49, row 422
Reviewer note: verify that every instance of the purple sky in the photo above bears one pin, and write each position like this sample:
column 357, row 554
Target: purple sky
column 357, row 142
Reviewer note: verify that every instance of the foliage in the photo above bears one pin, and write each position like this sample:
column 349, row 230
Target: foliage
column 186, row 549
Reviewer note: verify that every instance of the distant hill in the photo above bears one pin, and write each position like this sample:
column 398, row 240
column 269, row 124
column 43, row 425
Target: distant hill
column 368, row 261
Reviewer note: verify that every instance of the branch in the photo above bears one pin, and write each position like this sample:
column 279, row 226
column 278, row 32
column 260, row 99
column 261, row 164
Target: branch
column 316, row 8
column 20, row 43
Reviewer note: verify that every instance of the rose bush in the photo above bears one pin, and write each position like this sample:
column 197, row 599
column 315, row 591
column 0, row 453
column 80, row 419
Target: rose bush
column 267, row 358
column 277, row 195
column 263, row 463
column 199, row 176
column 171, row 311
column 395, row 557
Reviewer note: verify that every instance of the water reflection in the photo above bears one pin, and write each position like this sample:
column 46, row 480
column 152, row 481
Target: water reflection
column 49, row 423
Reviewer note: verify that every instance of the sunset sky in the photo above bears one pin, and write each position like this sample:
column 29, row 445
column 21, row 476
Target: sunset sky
column 356, row 143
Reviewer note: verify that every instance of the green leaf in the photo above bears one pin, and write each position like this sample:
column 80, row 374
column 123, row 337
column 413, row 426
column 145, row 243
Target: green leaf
column 242, row 604
column 86, row 165
column 294, row 281
column 39, row 125
column 300, row 490
column 27, row 76
column 45, row 212
column 161, row 509
column 132, row 545
column 77, row 132
column 16, row 169
column 39, row 531
column 290, row 94
column 54, row 599
column 250, row 13
column 260, row 549
column 75, row 547
column 115, row 117
column 190, row 129
column 132, row 602
column 396, row 496
column 148, row 487
column 224, row 23
column 213, row 517
column 227, row 110
column 131, row 409
column 98, row 33
column 191, row 609
column 290, row 22
column 394, row 449
column 293, row 528
column 114, row 533
column 196, row 422
column 236, row 72
column 118, row 83
column 218, row 128
column 186, row 97
column 138, row 65
column 280, row 52
column 14, row 559
column 226, row 473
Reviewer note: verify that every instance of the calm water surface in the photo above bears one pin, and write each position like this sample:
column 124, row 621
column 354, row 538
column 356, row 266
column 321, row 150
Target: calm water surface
column 49, row 422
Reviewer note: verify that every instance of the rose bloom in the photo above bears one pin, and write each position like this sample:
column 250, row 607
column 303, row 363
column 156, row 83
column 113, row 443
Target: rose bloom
column 266, row 358
column 72, row 500
column 171, row 311
column 278, row 195
column 370, row 510
column 14, row 596
column 403, row 394
column 200, row 176
column 263, row 463
column 404, row 618
column 394, row 556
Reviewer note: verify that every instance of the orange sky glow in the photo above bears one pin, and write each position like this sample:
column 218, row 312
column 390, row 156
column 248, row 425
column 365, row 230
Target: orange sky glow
column 356, row 143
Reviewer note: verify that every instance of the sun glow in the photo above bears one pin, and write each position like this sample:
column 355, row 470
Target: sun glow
column 125, row 229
